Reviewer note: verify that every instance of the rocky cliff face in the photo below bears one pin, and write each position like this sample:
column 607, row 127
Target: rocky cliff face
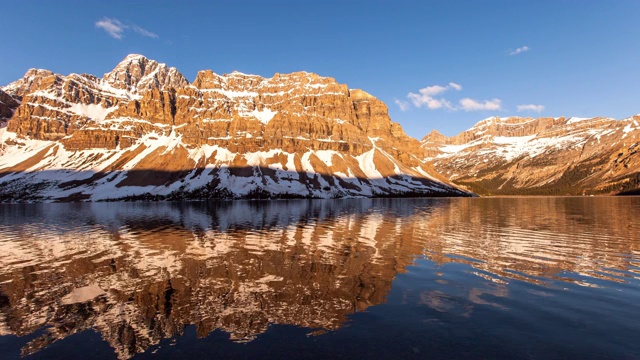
column 555, row 156
column 142, row 130
column 7, row 107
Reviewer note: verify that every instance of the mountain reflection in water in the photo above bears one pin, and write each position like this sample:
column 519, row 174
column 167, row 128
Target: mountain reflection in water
column 140, row 272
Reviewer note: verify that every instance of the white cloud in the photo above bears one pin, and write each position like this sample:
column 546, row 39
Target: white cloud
column 455, row 86
column 113, row 27
column 468, row 104
column 430, row 98
column 116, row 29
column 426, row 96
column 519, row 50
column 447, row 104
column 403, row 105
column 144, row 32
column 531, row 107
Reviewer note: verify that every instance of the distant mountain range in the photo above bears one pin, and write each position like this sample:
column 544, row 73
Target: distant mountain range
column 143, row 131
column 545, row 156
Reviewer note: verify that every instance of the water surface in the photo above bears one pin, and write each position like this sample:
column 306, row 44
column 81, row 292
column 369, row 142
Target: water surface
column 383, row 278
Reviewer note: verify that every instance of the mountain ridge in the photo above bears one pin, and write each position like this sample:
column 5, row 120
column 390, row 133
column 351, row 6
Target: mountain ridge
column 143, row 131
column 80, row 137
column 543, row 156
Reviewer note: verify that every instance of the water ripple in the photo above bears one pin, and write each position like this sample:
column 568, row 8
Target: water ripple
column 147, row 270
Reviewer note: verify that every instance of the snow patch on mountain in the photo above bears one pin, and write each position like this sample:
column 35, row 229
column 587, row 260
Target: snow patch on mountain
column 264, row 116
column 368, row 166
column 574, row 120
column 93, row 111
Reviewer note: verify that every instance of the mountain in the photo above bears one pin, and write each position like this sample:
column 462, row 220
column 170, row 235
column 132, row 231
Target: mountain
column 143, row 131
column 544, row 156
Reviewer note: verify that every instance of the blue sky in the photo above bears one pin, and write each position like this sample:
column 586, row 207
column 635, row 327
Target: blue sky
column 437, row 64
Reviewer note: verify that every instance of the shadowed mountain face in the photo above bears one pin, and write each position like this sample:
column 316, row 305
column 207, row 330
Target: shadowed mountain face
column 140, row 272
column 231, row 135
column 545, row 156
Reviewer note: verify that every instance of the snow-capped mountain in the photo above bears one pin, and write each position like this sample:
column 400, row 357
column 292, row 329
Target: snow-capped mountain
column 142, row 131
column 558, row 156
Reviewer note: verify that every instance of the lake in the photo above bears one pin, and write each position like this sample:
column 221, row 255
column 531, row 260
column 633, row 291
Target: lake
column 541, row 278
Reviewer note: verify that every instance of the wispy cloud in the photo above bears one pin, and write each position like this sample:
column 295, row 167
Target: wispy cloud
column 519, row 50
column 403, row 105
column 455, row 86
column 468, row 104
column 426, row 96
column 530, row 107
column 144, row 32
column 113, row 27
column 116, row 29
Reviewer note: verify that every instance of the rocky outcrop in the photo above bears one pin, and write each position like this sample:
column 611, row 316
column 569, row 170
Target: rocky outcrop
column 545, row 156
column 7, row 107
column 144, row 130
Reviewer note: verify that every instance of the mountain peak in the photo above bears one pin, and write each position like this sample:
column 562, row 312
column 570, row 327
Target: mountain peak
column 37, row 72
column 133, row 57
column 133, row 61
column 30, row 81
column 138, row 73
column 434, row 136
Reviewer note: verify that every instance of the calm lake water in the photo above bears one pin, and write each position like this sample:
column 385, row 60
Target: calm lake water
column 491, row 278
